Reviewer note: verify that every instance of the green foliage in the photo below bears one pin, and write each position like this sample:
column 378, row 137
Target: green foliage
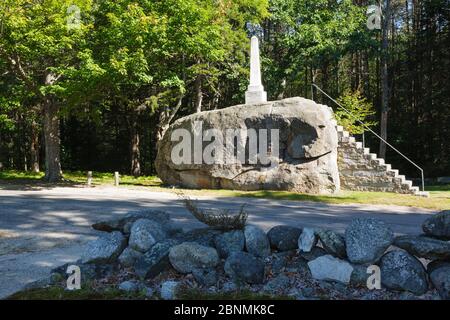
column 355, row 109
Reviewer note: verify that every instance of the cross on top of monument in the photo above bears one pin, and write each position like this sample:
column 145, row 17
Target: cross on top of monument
column 255, row 92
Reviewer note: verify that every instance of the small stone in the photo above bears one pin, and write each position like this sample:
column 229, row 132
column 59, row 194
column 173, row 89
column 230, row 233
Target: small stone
column 129, row 286
column 330, row 268
column 256, row 242
column 188, row 256
column 242, row 266
column 129, row 257
column 367, row 239
column 277, row 285
column 105, row 249
column 424, row 247
column 284, row 238
column 313, row 254
column 205, row 277
column 440, row 277
column 154, row 261
column 169, row 290
column 333, row 243
column 228, row 242
column 438, row 225
column 401, row 271
column 144, row 234
column 307, row 240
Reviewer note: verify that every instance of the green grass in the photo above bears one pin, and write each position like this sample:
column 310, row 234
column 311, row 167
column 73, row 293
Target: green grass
column 439, row 195
column 86, row 293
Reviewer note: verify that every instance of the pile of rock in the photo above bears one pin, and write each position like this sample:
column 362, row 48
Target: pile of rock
column 146, row 244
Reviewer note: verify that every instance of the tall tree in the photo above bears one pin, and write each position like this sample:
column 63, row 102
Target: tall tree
column 40, row 45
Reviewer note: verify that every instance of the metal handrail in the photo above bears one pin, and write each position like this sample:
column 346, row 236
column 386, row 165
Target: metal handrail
column 365, row 126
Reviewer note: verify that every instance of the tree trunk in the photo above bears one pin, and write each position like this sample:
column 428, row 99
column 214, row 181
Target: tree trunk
column 52, row 141
column 198, row 94
column 135, row 149
column 34, row 147
column 384, row 79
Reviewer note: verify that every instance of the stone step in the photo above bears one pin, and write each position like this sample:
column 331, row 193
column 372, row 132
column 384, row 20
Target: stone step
column 366, row 150
column 394, row 171
column 358, row 145
column 380, row 161
column 351, row 139
column 401, row 177
column 414, row 189
column 345, row 134
column 408, row 183
column 339, row 128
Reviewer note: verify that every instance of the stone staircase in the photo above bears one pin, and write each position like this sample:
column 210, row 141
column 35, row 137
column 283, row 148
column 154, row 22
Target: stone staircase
column 361, row 170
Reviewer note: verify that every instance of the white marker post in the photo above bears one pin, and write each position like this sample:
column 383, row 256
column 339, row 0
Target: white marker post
column 89, row 178
column 116, row 178
column 255, row 92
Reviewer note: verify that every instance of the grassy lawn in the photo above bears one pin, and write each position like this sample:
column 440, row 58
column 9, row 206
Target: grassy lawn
column 439, row 195
column 112, row 293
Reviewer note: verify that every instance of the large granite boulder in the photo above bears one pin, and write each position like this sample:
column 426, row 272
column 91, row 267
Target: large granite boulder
column 424, row 247
column 438, row 225
column 366, row 240
column 306, row 159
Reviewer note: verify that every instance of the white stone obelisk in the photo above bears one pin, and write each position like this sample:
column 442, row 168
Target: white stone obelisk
column 255, row 92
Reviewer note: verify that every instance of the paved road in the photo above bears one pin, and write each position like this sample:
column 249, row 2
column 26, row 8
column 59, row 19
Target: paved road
column 40, row 229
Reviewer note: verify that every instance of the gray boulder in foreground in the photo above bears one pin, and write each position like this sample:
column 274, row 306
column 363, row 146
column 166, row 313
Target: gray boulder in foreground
column 105, row 249
column 424, row 247
column 144, row 234
column 188, row 256
column 331, row 269
column 154, row 261
column 438, row 225
column 228, row 242
column 244, row 267
column 440, row 277
column 366, row 240
column 307, row 160
column 402, row 271
column 333, row 243
column 129, row 256
column 256, row 241
column 119, row 224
